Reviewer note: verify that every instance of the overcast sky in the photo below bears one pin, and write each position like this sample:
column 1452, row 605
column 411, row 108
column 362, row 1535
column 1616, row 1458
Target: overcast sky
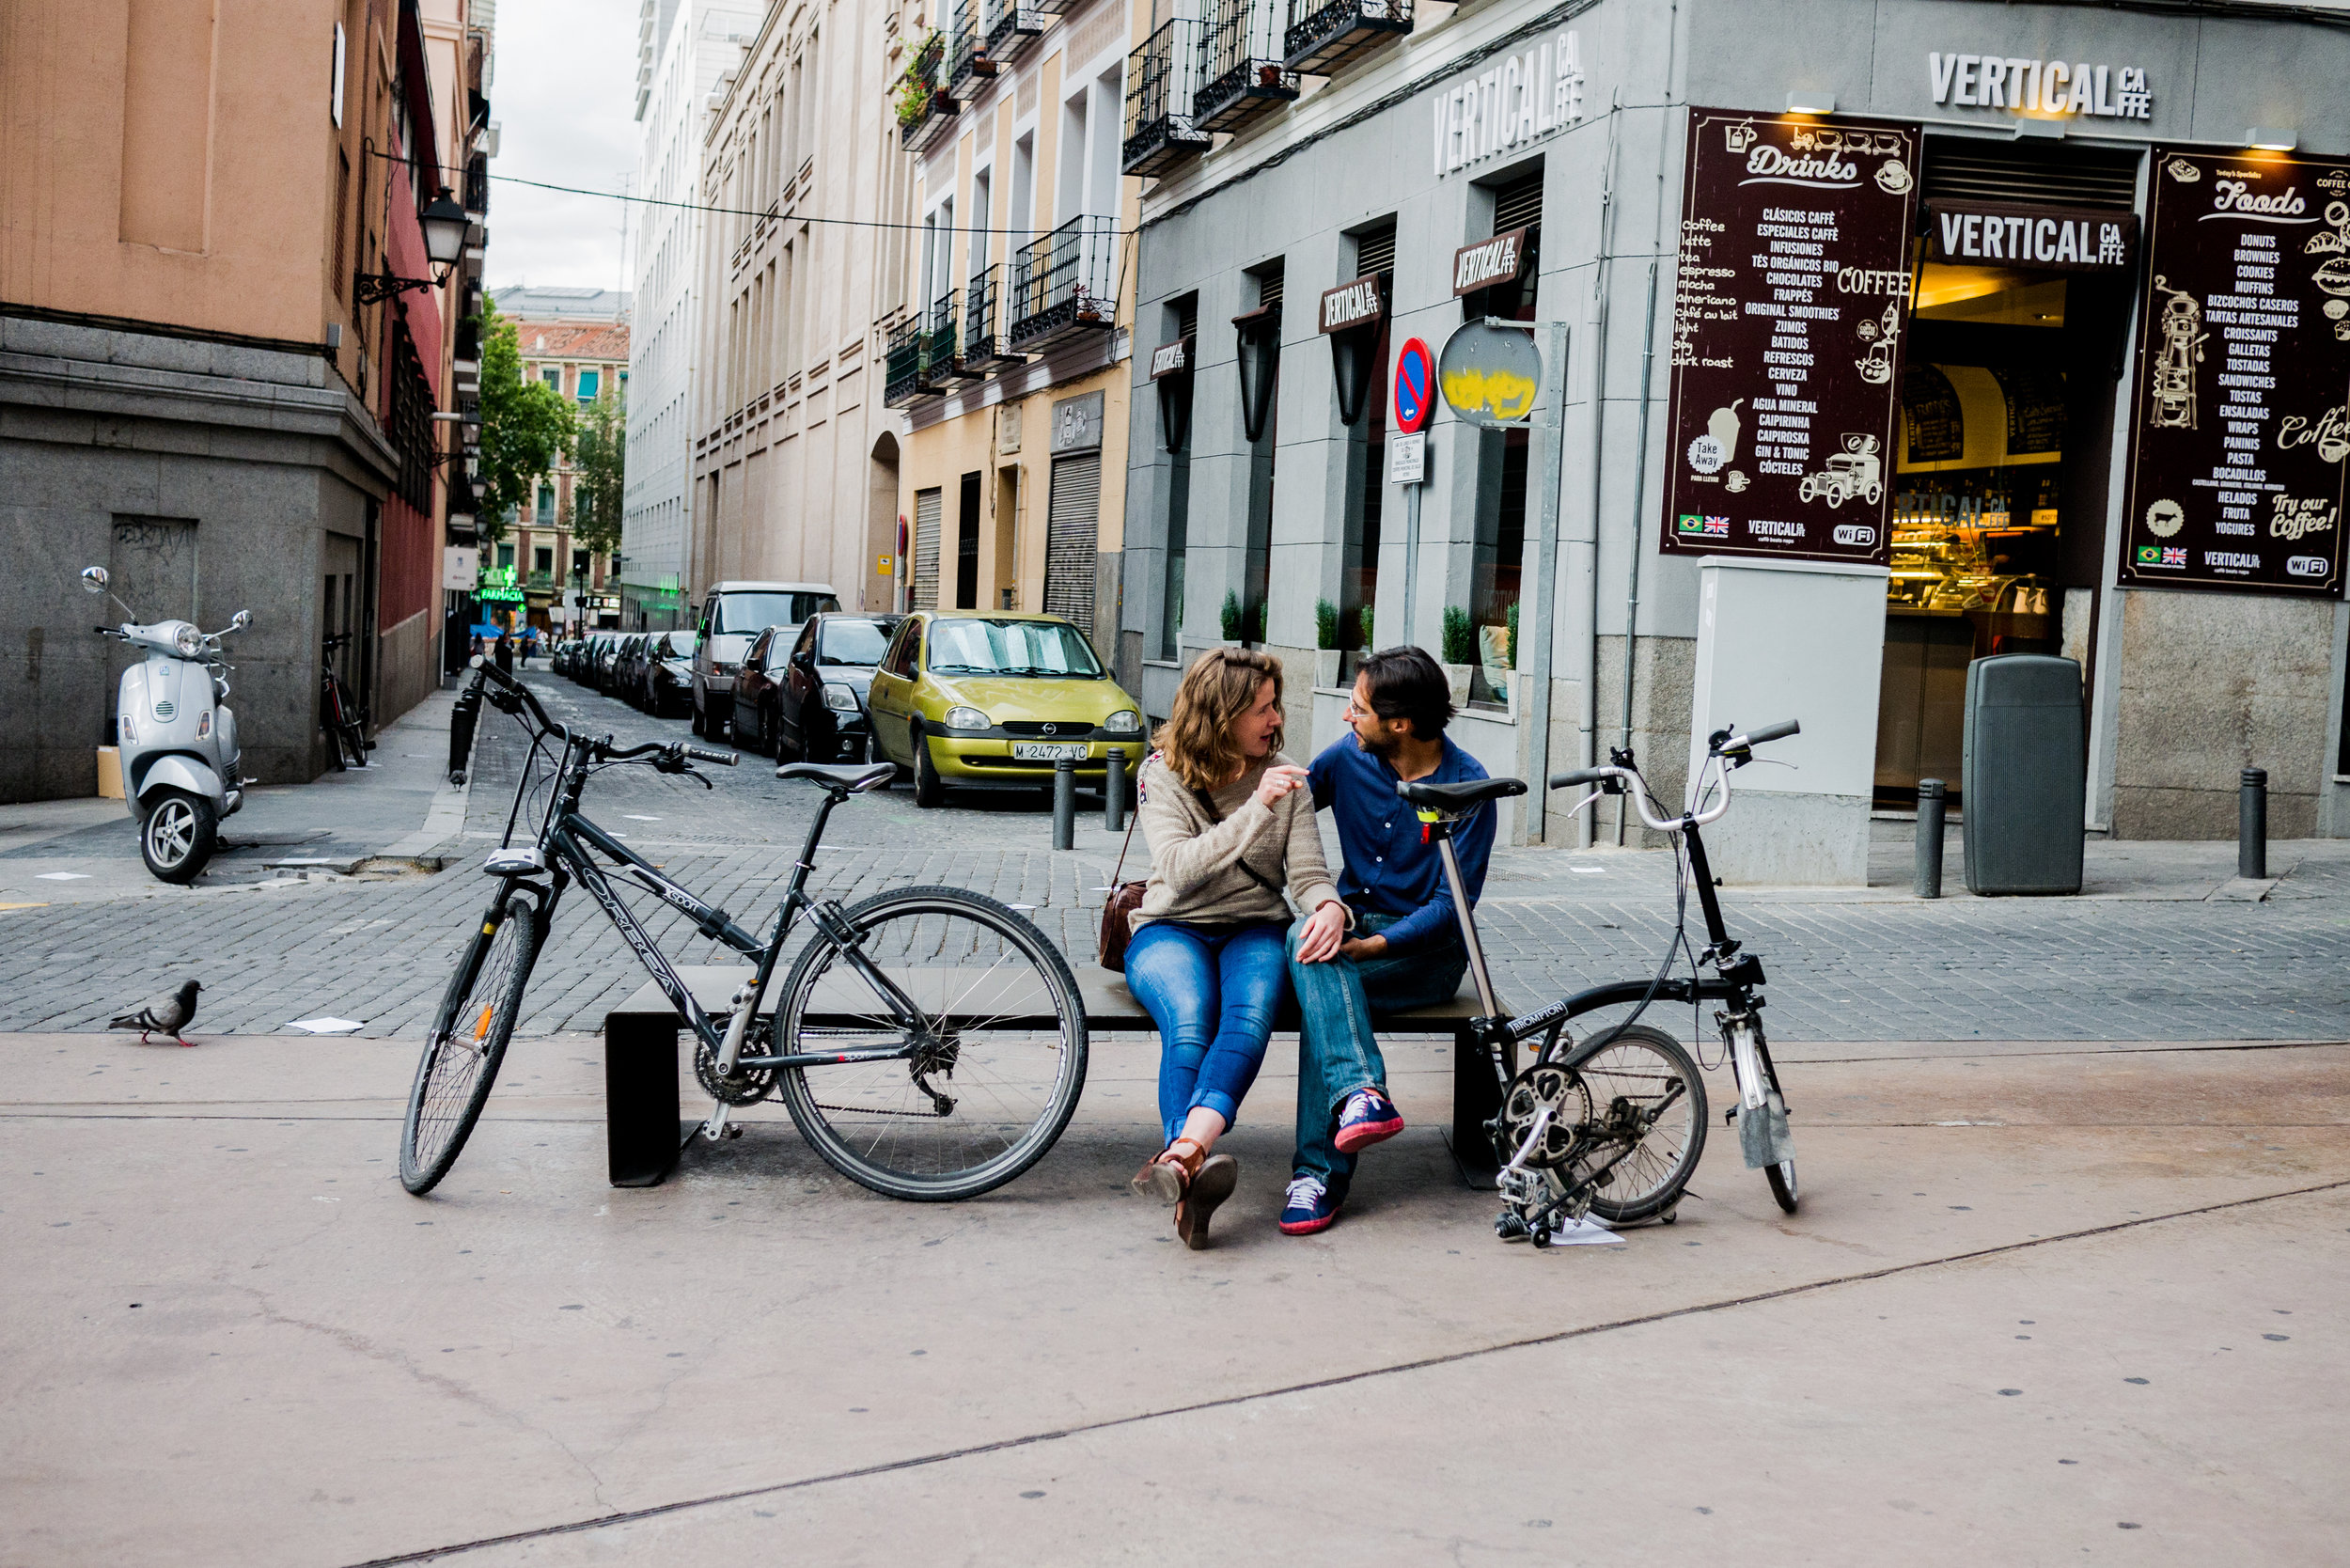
column 562, row 93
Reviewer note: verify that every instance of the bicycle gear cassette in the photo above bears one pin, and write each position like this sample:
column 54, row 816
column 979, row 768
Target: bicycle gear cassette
column 1542, row 1087
column 748, row 1087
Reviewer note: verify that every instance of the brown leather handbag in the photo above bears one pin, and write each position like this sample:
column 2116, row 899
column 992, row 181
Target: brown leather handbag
column 1118, row 915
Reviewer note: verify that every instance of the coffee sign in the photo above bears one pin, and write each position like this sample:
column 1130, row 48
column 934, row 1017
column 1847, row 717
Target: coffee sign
column 2041, row 239
column 2045, row 88
column 1788, row 306
column 2239, row 434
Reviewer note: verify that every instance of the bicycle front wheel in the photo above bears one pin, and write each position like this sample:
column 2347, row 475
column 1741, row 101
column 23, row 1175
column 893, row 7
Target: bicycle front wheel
column 991, row 1032
column 462, row 1054
column 1648, row 1121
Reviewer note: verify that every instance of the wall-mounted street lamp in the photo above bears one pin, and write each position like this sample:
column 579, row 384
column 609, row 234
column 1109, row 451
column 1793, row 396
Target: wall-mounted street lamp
column 445, row 226
column 1259, row 362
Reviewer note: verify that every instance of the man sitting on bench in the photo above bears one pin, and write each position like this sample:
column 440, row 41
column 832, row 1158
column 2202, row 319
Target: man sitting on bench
column 1405, row 950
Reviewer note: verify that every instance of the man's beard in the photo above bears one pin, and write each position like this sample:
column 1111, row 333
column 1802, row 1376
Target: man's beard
column 1385, row 747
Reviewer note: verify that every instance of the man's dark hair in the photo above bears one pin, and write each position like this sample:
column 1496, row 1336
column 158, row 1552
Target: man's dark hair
column 1407, row 683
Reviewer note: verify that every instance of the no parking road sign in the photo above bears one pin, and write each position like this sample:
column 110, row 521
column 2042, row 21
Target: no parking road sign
column 1415, row 386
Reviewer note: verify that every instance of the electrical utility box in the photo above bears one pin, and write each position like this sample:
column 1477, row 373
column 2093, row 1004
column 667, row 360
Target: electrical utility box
column 2024, row 775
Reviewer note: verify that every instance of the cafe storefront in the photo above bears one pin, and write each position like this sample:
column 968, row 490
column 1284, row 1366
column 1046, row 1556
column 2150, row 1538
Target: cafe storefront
column 2026, row 329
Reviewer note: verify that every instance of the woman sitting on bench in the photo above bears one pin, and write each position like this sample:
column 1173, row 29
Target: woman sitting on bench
column 1229, row 822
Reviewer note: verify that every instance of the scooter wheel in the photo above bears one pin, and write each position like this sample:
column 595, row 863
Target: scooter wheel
column 177, row 835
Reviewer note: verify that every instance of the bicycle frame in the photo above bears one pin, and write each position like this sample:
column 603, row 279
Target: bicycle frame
column 569, row 842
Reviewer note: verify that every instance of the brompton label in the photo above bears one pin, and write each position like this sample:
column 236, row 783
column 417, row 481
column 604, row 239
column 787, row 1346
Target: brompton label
column 2238, row 430
column 1789, row 304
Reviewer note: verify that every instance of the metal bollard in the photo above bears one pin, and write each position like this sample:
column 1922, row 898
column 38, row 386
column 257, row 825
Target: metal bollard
column 1064, row 804
column 1114, row 791
column 464, row 715
column 2251, row 826
column 1929, row 866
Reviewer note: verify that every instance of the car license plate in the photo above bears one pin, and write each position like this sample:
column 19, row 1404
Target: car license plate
column 1047, row 752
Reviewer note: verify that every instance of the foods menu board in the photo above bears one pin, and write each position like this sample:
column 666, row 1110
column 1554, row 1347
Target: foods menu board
column 2238, row 429
column 1789, row 306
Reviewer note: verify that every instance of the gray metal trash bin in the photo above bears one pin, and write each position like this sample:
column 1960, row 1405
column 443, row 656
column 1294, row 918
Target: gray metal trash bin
column 2024, row 778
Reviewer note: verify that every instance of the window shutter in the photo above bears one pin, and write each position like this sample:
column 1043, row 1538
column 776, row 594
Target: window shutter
column 1073, row 538
column 928, row 506
column 1374, row 252
column 1517, row 205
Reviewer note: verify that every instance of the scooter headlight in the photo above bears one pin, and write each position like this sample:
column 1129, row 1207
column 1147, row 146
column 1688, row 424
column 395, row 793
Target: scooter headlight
column 188, row 640
column 203, row 725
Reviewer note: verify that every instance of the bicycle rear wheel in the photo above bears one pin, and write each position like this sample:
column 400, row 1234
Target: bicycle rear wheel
column 997, row 1057
column 467, row 1044
column 1649, row 1110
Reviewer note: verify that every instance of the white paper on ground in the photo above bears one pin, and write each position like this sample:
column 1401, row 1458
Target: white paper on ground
column 634, row 818
column 1584, row 1232
column 1589, row 871
column 65, row 876
column 326, row 1026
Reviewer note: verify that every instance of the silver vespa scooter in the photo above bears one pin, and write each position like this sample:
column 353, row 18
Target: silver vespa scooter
column 178, row 738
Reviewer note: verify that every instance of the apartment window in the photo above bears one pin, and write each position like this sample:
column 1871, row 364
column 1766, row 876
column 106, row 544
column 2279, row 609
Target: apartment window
column 1257, row 561
column 553, row 376
column 543, row 560
column 545, row 508
column 1367, row 469
column 506, row 555
column 590, row 381
column 342, row 184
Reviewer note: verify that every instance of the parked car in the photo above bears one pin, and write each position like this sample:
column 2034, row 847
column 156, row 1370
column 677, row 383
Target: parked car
column 732, row 615
column 628, row 667
column 803, row 696
column 600, row 673
column 971, row 699
column 591, row 648
column 559, row 662
column 667, row 687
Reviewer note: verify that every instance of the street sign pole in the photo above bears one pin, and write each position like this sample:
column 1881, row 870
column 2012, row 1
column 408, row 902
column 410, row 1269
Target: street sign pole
column 1535, row 619
column 1415, row 404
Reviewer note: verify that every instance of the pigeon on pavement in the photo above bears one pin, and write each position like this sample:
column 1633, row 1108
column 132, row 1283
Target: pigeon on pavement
column 169, row 1015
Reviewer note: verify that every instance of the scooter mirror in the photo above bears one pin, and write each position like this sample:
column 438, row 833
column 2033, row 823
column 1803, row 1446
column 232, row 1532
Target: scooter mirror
column 242, row 619
column 94, row 579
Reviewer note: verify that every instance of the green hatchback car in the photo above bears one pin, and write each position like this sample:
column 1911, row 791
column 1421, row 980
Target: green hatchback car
column 969, row 698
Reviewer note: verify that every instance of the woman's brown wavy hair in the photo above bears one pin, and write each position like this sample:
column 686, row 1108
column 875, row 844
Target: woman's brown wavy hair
column 1196, row 740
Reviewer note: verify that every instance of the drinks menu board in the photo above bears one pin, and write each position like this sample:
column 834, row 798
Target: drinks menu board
column 2238, row 430
column 1789, row 305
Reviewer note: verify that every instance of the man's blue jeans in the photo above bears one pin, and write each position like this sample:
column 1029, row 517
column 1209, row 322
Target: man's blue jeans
column 1212, row 995
column 1337, row 1053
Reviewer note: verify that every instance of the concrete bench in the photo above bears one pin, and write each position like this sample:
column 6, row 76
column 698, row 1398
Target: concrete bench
column 645, row 1127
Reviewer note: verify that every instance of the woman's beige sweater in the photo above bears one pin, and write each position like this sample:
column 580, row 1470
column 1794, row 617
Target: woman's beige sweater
column 1195, row 863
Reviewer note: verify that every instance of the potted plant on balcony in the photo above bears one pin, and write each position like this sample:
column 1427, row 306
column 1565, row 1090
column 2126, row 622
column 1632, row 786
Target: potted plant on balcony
column 917, row 85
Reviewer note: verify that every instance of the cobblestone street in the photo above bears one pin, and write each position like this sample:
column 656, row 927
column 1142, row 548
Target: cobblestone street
column 2153, row 960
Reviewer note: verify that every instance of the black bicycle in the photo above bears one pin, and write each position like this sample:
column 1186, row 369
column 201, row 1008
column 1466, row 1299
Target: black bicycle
column 1612, row 1125
column 929, row 1043
column 339, row 716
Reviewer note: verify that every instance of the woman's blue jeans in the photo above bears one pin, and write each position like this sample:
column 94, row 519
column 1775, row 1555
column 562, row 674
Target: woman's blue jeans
column 1212, row 995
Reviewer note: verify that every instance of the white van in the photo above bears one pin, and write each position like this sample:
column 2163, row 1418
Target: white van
column 732, row 615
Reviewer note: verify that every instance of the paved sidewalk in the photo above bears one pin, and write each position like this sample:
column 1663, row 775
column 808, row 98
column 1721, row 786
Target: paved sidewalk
column 2064, row 1305
column 397, row 808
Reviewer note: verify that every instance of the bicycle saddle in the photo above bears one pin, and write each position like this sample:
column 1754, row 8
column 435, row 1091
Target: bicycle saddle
column 1461, row 797
column 855, row 777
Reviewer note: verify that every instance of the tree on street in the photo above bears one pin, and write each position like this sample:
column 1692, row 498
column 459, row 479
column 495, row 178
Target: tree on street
column 601, row 473
column 526, row 427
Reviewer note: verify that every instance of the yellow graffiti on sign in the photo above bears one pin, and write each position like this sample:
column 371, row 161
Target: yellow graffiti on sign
column 1501, row 393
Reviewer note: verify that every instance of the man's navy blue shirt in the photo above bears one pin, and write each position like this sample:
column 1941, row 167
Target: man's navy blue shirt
column 1388, row 871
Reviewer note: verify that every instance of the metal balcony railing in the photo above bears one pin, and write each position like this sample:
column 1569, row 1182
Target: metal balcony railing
column 1013, row 28
column 1062, row 283
column 1325, row 35
column 983, row 348
column 1241, row 74
column 940, row 352
column 967, row 59
column 906, row 376
column 1162, row 76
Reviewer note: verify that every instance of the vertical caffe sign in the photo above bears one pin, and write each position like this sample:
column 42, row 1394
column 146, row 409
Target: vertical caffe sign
column 2238, row 428
column 1789, row 306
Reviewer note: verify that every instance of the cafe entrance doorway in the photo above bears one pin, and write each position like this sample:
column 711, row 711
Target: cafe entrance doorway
column 2001, row 480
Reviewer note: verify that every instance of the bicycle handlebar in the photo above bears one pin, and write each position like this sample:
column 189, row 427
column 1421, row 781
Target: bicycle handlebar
column 489, row 671
column 1778, row 731
column 724, row 758
column 1580, row 775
